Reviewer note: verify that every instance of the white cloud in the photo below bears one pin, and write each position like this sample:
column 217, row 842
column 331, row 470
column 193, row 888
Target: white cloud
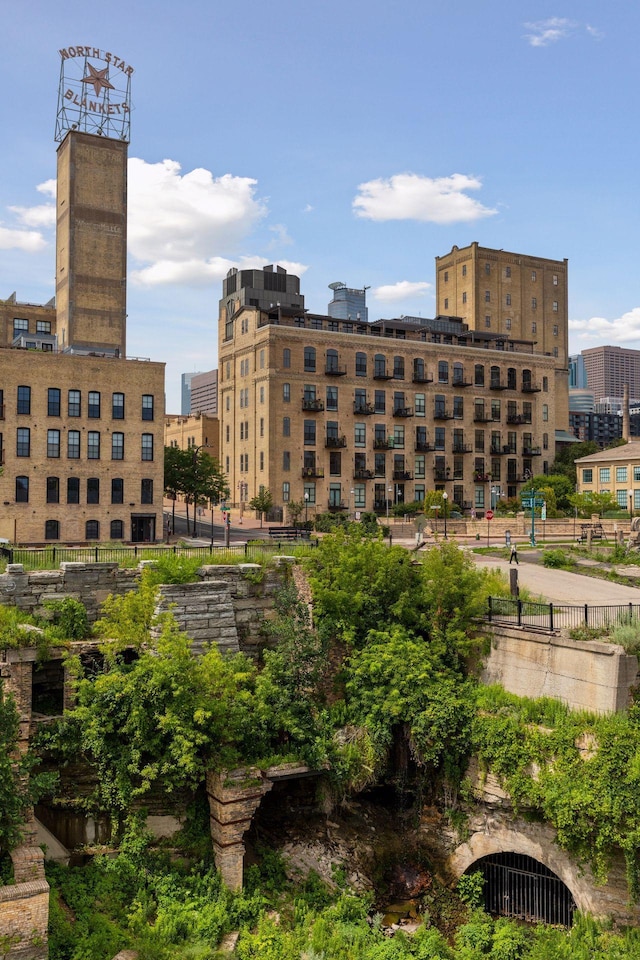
column 409, row 196
column 43, row 215
column 544, row 32
column 281, row 236
column 187, row 219
column 199, row 272
column 594, row 32
column 621, row 330
column 402, row 290
column 31, row 241
column 49, row 187
column 308, row 208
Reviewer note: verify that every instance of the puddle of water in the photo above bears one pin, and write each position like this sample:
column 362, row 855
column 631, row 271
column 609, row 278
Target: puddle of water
column 399, row 910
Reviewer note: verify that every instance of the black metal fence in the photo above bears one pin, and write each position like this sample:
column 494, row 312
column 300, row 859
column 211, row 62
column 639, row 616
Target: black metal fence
column 519, row 886
column 48, row 558
column 548, row 617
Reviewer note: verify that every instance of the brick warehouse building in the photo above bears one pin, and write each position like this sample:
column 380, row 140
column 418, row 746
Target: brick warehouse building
column 356, row 416
column 81, row 426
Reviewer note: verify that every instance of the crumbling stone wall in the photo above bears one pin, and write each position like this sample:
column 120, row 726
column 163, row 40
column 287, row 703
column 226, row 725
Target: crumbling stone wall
column 24, row 907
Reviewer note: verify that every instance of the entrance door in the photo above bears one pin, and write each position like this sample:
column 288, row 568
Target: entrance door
column 143, row 529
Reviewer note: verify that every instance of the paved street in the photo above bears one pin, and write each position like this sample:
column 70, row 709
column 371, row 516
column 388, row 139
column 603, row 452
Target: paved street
column 561, row 586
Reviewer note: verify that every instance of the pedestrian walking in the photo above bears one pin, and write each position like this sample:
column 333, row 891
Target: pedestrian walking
column 514, row 554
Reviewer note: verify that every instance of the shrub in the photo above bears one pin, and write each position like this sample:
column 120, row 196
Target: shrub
column 330, row 522
column 628, row 636
column 557, row 559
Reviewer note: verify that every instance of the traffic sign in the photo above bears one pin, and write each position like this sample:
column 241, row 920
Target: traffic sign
column 489, row 514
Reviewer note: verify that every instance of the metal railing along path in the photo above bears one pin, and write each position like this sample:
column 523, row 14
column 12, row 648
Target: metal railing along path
column 554, row 616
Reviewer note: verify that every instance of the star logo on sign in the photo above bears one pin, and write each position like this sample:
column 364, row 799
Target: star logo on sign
column 99, row 79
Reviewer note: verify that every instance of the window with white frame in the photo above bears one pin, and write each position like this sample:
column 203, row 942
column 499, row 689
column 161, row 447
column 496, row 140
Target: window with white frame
column 605, row 475
column 621, row 474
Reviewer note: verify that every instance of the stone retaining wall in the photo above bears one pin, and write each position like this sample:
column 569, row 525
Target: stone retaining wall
column 586, row 675
column 24, row 908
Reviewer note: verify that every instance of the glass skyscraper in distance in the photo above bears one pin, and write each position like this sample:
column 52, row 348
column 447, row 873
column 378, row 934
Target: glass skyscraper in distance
column 348, row 303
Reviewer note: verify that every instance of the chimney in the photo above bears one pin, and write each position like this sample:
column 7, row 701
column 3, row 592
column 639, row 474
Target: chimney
column 626, row 431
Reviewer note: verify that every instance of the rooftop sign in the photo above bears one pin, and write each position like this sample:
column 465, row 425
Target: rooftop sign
column 94, row 94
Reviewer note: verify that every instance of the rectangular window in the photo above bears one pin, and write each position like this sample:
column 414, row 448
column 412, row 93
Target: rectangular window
column 74, row 403
column 93, row 409
column 310, row 433
column 20, row 326
column 53, row 443
column 22, row 489
column 380, row 401
column 507, row 300
column 147, row 446
column 73, row 490
column 146, row 490
column 43, row 326
column 359, row 496
column 464, row 297
column 605, row 475
column 439, row 436
column 420, row 409
column 335, row 463
column 545, row 411
column 621, row 498
column 420, row 468
column 332, row 398
column 360, row 435
column 534, row 303
column 398, row 436
column 93, row 490
column 117, row 446
column 534, row 276
column 507, row 271
column 555, row 306
column 73, row 445
column 286, row 491
column 487, row 296
column 286, row 460
column 117, row 406
column 53, row 490
column 24, row 400
column 286, row 392
column 555, row 279
column 621, row 474
column 479, row 498
column 93, row 445
column 309, row 493
column 53, row 402
column 636, row 474
column 147, row 406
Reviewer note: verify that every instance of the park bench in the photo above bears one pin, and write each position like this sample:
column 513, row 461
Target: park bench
column 288, row 533
column 596, row 530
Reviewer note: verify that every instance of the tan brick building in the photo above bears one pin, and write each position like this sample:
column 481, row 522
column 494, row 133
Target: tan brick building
column 81, row 427
column 513, row 295
column 192, row 432
column 354, row 416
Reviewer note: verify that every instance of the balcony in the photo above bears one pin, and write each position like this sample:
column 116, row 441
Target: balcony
column 461, row 382
column 334, row 506
column 313, row 406
column 440, row 474
column 441, row 413
column 517, row 418
column 422, row 378
column 386, row 444
column 334, row 443
column 398, row 476
column 481, row 417
column 363, row 409
column 312, row 473
column 531, row 452
column 382, row 375
column 335, row 370
column 462, row 448
column 403, row 412
column 530, row 387
column 422, row 446
column 498, row 385
column 363, row 475
column 481, row 477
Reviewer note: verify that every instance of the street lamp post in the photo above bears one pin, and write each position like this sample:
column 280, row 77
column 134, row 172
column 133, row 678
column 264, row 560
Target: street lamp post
column 445, row 497
column 389, row 492
column 306, row 506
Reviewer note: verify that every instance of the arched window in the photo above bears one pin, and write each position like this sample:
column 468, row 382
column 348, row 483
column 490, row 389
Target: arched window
column 398, row 368
column 418, row 370
column 332, row 361
column 495, row 376
column 526, row 378
column 286, row 358
column 443, row 371
column 92, row 530
column 52, row 530
column 22, row 489
column 116, row 530
column 93, row 490
column 310, row 359
column 478, row 376
column 458, row 374
column 361, row 364
column 511, row 378
column 380, row 366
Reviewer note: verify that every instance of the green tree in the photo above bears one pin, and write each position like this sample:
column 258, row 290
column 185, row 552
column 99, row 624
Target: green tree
column 262, row 503
column 175, row 472
column 590, row 503
column 295, row 509
column 565, row 458
column 561, row 486
column 204, row 481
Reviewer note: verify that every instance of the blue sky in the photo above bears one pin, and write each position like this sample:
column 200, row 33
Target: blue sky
column 350, row 141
